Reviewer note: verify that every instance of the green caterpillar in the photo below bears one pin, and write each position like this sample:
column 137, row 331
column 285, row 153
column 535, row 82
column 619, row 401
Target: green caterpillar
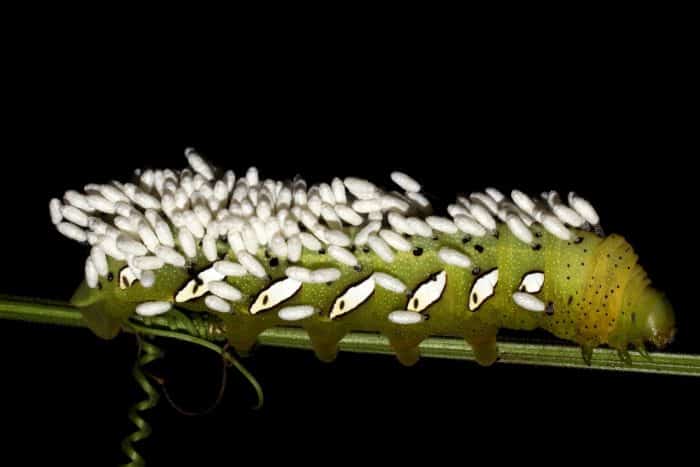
column 348, row 256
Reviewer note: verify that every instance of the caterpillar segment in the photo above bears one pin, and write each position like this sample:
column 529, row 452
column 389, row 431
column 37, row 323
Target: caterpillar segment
column 350, row 257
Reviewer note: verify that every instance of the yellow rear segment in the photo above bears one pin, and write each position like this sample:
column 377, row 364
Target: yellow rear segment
column 601, row 307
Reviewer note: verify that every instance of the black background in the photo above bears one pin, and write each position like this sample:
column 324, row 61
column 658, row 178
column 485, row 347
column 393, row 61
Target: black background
column 607, row 120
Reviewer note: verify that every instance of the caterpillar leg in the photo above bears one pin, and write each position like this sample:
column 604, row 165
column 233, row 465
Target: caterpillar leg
column 587, row 354
column 325, row 342
column 484, row 348
column 406, row 350
column 243, row 333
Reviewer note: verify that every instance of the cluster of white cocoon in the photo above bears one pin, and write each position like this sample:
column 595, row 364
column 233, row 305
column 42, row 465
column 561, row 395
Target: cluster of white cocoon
column 162, row 216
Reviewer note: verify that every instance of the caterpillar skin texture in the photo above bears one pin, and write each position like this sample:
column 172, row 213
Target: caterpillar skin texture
column 586, row 288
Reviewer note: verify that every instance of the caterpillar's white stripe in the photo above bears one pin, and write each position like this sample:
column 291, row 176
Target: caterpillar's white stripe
column 352, row 298
column 275, row 294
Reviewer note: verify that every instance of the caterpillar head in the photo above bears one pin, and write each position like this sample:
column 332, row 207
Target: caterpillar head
column 655, row 320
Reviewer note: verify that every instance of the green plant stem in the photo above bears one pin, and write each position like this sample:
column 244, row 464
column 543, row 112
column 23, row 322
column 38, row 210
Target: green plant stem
column 42, row 311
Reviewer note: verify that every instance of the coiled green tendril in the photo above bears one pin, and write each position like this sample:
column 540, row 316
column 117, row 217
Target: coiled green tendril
column 146, row 354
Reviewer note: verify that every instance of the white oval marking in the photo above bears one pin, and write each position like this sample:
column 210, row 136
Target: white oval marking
column 195, row 288
column 127, row 277
column 275, row 294
column 532, row 282
column 428, row 292
column 353, row 297
column 483, row 289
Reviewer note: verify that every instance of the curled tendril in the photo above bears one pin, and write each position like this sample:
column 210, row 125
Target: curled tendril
column 212, row 406
column 146, row 354
column 180, row 323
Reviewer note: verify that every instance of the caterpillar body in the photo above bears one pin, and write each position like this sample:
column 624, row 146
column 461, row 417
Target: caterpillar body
column 348, row 256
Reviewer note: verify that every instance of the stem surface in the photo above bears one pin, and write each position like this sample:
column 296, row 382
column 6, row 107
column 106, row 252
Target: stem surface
column 53, row 312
